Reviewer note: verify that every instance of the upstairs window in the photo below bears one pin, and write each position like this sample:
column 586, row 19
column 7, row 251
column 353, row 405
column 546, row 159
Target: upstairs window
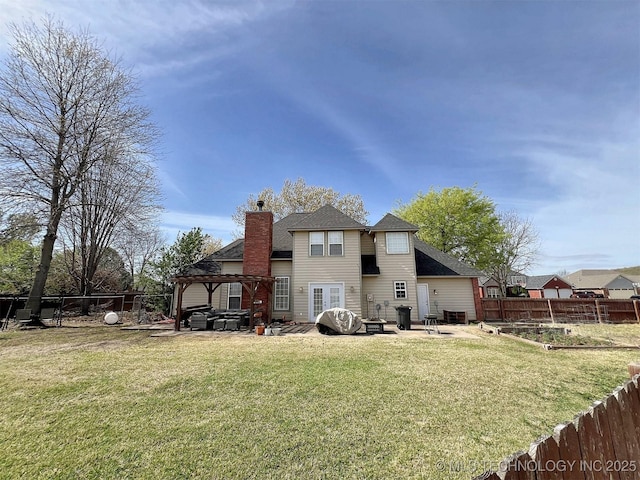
column 493, row 292
column 397, row 242
column 316, row 244
column 335, row 243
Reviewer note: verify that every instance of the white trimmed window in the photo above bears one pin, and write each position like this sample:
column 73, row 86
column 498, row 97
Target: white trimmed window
column 397, row 242
column 281, row 294
column 316, row 244
column 493, row 292
column 235, row 296
column 400, row 289
column 335, row 243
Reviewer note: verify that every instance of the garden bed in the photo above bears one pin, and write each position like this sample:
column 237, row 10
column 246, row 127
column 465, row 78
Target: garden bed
column 552, row 337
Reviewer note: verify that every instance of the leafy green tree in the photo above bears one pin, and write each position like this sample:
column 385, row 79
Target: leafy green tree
column 186, row 250
column 18, row 260
column 461, row 222
column 298, row 197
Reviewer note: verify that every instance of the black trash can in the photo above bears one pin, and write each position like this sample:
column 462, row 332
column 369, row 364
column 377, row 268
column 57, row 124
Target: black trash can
column 404, row 317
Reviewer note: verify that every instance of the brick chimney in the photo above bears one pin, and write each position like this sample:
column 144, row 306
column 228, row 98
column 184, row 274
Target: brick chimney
column 258, row 243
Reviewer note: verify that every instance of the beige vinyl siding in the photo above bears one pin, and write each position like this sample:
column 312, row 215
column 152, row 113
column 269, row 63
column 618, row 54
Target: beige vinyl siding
column 283, row 268
column 454, row 294
column 195, row 294
column 345, row 269
column 396, row 267
column 367, row 245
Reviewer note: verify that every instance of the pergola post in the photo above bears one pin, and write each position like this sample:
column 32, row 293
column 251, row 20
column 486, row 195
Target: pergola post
column 181, row 288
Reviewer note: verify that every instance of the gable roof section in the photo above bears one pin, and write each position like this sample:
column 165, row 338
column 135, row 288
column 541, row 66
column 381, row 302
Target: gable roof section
column 391, row 223
column 432, row 262
column 233, row 251
column 538, row 282
column 206, row 266
column 326, row 218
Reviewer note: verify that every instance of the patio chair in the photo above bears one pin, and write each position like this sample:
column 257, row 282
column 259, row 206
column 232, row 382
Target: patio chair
column 198, row 320
column 23, row 316
column 50, row 314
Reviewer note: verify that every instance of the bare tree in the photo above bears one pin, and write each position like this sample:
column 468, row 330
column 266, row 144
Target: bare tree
column 115, row 197
column 516, row 252
column 61, row 101
column 139, row 247
column 297, row 197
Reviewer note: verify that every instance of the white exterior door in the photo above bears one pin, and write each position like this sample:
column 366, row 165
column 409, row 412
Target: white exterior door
column 423, row 300
column 323, row 296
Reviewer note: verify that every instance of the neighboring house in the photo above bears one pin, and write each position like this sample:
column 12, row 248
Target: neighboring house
column 610, row 283
column 326, row 259
column 489, row 287
column 548, row 286
column 518, row 285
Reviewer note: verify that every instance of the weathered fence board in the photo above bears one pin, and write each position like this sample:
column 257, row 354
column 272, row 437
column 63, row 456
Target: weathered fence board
column 517, row 467
column 628, row 427
column 590, row 451
column 599, row 414
column 569, row 450
column 545, row 452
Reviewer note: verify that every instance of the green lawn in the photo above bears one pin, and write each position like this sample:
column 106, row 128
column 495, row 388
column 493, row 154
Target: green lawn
column 100, row 402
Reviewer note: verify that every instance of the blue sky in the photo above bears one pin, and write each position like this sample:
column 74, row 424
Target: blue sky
column 536, row 103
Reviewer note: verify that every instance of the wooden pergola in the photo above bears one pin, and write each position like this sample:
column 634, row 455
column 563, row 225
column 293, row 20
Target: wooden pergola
column 250, row 283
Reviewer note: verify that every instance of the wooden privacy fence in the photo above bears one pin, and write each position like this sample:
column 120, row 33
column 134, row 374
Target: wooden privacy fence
column 601, row 443
column 563, row 310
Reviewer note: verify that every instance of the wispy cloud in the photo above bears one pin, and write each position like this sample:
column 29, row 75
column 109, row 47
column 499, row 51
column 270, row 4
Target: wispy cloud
column 174, row 222
column 151, row 35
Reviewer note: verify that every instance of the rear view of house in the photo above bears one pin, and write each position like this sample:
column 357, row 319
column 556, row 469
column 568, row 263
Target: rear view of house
column 326, row 259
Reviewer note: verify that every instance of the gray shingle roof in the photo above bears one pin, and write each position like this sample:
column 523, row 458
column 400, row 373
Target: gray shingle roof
column 206, row 266
column 538, row 282
column 391, row 223
column 233, row 251
column 326, row 218
column 431, row 261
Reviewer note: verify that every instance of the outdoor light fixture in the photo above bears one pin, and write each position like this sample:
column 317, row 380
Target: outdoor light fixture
column 435, row 292
column 300, row 289
column 352, row 288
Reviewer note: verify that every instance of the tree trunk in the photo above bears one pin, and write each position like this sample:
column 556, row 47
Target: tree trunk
column 35, row 296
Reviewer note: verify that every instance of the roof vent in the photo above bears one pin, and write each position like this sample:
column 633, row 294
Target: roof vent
column 260, row 205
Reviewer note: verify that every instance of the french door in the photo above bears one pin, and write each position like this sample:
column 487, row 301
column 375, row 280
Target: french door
column 323, row 296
